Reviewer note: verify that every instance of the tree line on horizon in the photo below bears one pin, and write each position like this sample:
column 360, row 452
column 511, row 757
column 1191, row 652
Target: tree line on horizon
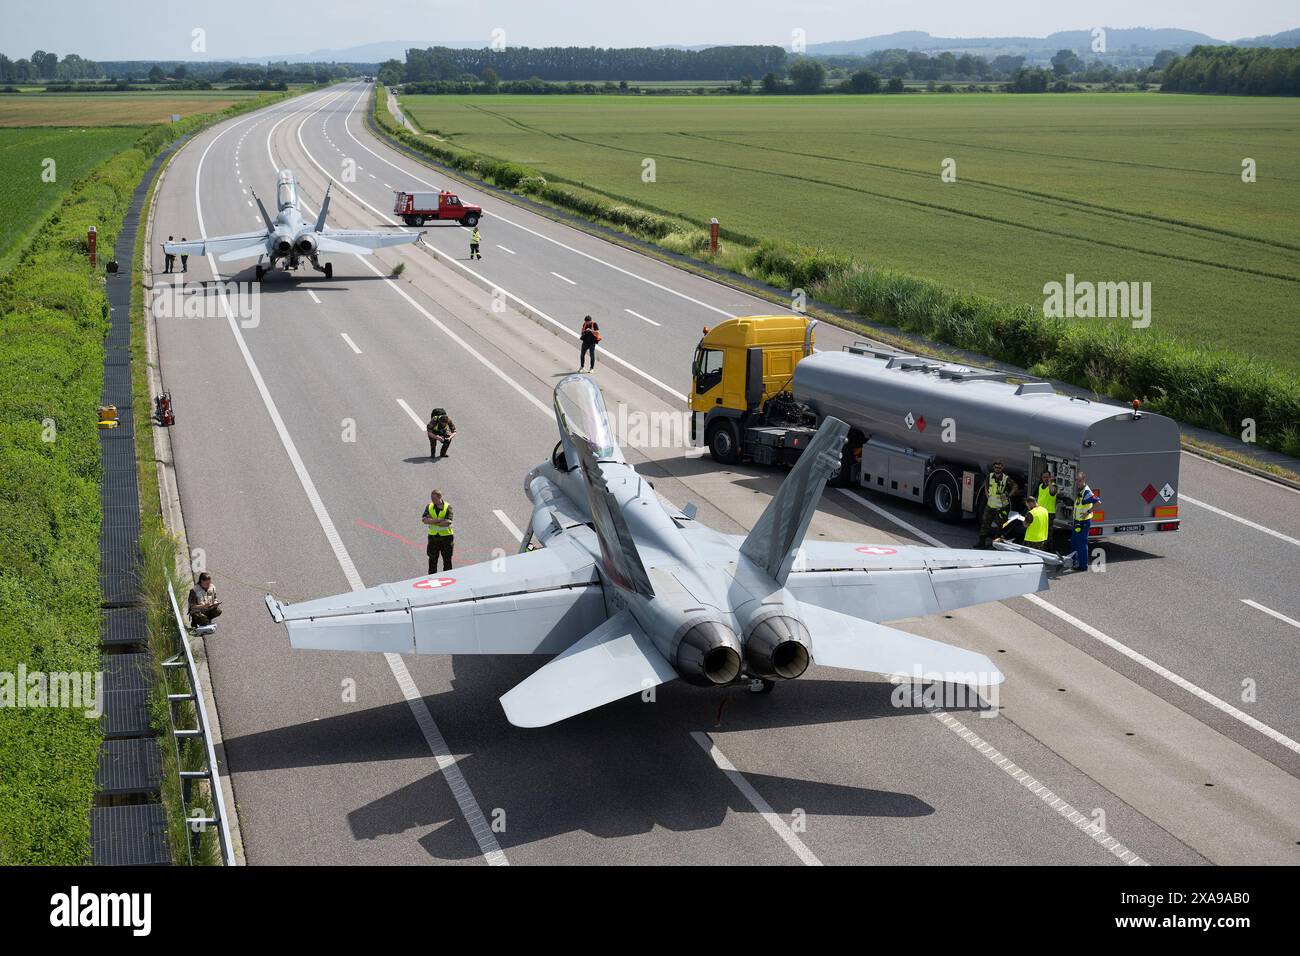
column 1253, row 71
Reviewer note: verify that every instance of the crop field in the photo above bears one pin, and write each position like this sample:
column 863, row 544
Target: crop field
column 27, row 198
column 111, row 109
column 1114, row 187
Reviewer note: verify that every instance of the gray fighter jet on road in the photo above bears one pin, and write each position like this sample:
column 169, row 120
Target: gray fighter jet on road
column 288, row 239
column 630, row 592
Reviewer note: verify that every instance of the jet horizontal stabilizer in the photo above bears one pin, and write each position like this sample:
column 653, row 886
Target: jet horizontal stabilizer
column 615, row 660
column 839, row 640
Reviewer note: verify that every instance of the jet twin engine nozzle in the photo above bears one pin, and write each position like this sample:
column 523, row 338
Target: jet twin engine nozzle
column 306, row 244
column 283, row 246
column 778, row 646
column 708, row 652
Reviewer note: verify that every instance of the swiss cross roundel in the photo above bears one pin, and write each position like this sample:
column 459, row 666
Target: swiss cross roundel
column 875, row 549
column 430, row 584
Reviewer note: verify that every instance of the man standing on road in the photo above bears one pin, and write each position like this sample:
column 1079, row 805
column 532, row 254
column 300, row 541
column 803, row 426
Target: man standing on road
column 441, row 539
column 185, row 259
column 997, row 496
column 1084, row 499
column 590, row 338
column 168, row 258
column 440, row 429
column 473, row 244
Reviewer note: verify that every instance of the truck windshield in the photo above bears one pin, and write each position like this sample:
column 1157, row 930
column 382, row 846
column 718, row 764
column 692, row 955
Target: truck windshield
column 453, row 200
column 708, row 369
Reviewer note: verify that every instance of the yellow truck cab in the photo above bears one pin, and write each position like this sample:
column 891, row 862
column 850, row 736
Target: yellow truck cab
column 741, row 365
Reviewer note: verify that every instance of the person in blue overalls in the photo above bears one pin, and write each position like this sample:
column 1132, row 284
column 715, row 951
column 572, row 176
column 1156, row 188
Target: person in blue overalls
column 1084, row 499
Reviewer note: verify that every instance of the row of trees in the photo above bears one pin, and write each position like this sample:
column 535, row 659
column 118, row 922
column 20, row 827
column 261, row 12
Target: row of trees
column 1258, row 71
column 588, row 63
column 48, row 66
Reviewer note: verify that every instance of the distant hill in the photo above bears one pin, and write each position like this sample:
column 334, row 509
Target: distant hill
column 1118, row 39
column 1289, row 38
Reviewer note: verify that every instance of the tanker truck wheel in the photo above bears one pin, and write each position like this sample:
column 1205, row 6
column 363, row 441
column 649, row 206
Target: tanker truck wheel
column 944, row 498
column 724, row 443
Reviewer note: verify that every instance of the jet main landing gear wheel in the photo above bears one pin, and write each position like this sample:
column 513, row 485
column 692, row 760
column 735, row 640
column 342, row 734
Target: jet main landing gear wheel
column 260, row 271
column 329, row 270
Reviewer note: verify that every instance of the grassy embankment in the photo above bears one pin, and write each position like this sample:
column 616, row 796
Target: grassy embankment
column 1046, row 186
column 53, row 318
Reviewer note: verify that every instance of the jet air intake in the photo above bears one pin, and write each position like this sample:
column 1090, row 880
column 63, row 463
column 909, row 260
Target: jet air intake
column 708, row 653
column 777, row 647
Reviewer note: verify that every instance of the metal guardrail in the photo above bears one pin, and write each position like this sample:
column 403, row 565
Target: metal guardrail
column 197, row 823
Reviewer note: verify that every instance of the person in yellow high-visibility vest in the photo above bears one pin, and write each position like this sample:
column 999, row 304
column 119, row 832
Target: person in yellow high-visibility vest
column 997, row 499
column 441, row 538
column 1047, row 492
column 1038, row 525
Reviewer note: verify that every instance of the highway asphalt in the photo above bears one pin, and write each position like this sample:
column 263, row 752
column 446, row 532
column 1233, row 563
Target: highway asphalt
column 1126, row 731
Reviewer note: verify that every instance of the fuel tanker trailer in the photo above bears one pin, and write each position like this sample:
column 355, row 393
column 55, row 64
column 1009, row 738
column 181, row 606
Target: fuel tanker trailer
column 927, row 430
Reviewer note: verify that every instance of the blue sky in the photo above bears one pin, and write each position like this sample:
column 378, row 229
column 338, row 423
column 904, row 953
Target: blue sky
column 149, row 29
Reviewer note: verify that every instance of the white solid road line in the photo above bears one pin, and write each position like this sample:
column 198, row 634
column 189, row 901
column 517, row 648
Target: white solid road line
column 510, row 525
column 352, row 345
column 774, row 819
column 504, row 249
column 611, row 356
column 1235, row 712
column 469, row 807
column 414, row 417
column 642, row 317
column 563, row 279
column 317, row 301
column 1247, row 522
column 1083, row 822
column 1268, row 610
column 1109, row 641
column 533, row 232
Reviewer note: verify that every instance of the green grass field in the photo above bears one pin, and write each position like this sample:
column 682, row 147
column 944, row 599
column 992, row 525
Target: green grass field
column 27, row 199
column 112, row 109
column 1109, row 187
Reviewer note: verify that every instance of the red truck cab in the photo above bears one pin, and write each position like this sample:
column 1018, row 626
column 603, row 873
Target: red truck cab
column 418, row 208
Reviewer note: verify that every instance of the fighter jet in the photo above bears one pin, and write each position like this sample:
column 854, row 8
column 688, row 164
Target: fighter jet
column 629, row 592
column 288, row 239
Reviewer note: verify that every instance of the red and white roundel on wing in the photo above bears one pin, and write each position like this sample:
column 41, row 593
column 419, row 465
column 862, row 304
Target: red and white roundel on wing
column 432, row 584
column 876, row 549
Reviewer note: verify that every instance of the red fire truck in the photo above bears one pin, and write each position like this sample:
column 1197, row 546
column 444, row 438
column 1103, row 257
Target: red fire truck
column 418, row 208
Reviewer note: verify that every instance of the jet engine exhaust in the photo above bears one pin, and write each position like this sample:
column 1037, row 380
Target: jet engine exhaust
column 306, row 245
column 283, row 246
column 777, row 646
column 708, row 653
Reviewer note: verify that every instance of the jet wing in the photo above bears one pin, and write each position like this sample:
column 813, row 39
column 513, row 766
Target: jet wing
column 839, row 640
column 217, row 244
column 361, row 242
column 537, row 602
column 891, row 582
column 615, row 660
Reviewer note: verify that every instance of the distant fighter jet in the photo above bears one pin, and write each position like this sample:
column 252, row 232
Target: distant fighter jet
column 631, row 593
column 289, row 239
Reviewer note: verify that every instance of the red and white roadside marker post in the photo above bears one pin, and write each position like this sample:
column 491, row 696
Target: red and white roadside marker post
column 91, row 233
column 713, row 236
